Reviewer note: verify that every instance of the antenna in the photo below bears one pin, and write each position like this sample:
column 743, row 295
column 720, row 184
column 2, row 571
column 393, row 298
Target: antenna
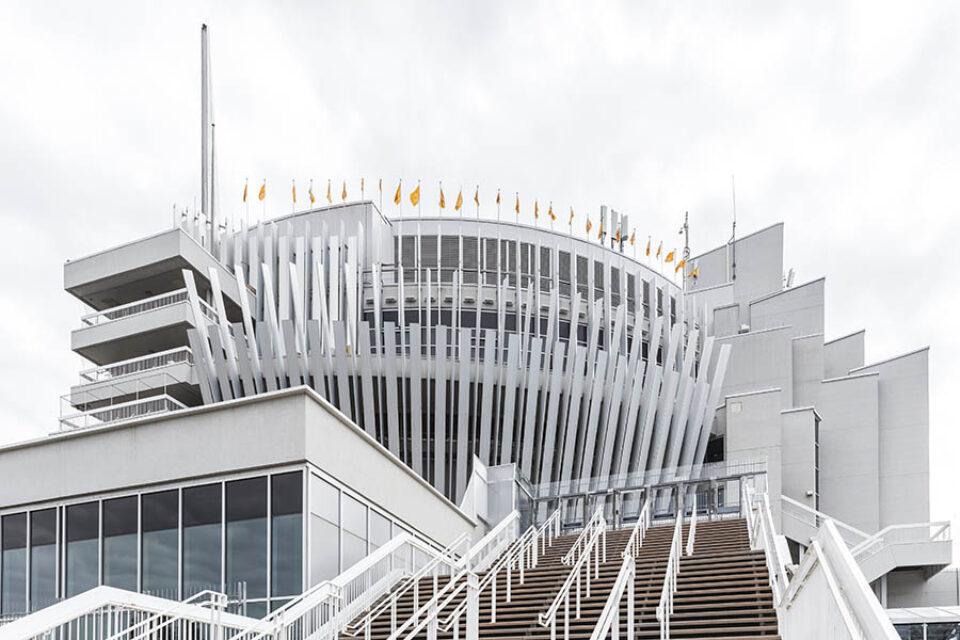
column 207, row 196
column 733, row 238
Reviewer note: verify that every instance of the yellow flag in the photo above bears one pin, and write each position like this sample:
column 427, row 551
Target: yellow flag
column 693, row 274
column 669, row 257
column 550, row 212
column 633, row 237
column 600, row 235
column 310, row 193
column 396, row 196
column 329, row 197
column 536, row 209
column 380, row 186
column 680, row 265
column 616, row 237
column 245, row 190
column 589, row 224
column 294, row 191
column 570, row 222
column 648, row 245
column 443, row 202
column 498, row 196
column 343, row 194
column 476, row 196
column 263, row 191
column 459, row 202
column 517, row 208
column 659, row 249
column 415, row 196
column 361, row 185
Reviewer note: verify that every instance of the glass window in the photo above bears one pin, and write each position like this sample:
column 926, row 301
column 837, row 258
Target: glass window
column 83, row 554
column 324, row 530
column 43, row 558
column 286, row 506
column 201, row 539
column 13, row 583
column 379, row 530
column 120, row 543
column 943, row 631
column 161, row 517
column 247, row 535
column 354, row 531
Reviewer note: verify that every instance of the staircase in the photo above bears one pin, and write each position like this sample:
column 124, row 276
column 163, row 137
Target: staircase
column 723, row 591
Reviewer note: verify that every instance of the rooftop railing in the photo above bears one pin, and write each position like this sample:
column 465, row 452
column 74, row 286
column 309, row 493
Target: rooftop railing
column 179, row 355
column 121, row 412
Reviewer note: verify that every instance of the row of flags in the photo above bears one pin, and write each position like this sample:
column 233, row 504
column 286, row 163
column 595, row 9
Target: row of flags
column 414, row 197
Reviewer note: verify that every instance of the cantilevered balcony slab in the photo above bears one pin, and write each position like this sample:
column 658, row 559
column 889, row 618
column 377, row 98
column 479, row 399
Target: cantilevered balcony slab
column 169, row 372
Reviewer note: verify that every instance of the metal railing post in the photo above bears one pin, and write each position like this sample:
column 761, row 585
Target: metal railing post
column 473, row 607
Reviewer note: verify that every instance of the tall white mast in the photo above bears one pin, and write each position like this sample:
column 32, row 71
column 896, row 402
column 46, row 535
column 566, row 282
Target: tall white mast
column 207, row 202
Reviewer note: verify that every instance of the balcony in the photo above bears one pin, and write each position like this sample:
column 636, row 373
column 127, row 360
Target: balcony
column 128, row 379
column 121, row 412
column 136, row 329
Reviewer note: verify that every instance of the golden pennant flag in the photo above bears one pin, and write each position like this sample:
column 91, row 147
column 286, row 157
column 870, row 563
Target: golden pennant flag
column 396, row 196
column 659, row 249
column 498, row 196
column 415, row 196
column 343, row 194
column 680, row 265
column 443, row 202
column 380, row 186
column 570, row 222
column 648, row 246
column 633, row 237
column 329, row 197
column 669, row 257
column 313, row 198
column 617, row 236
column 600, row 235
column 245, row 183
column 589, row 224
column 294, row 192
column 517, row 208
column 476, row 196
column 693, row 274
column 361, row 185
column 459, row 203
column 536, row 209
column 263, row 191
column 550, row 212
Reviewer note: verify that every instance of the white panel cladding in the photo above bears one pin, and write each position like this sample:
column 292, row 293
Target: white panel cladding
column 510, row 373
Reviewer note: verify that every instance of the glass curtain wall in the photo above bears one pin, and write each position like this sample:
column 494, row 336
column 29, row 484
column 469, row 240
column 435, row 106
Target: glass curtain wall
column 120, row 543
column 83, row 553
column 286, row 507
column 247, row 537
column 13, row 581
column 202, row 528
column 354, row 531
column 43, row 558
column 324, row 530
column 160, row 522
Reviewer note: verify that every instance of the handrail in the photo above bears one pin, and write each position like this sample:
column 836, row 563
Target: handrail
column 595, row 545
column 144, row 305
column 665, row 606
column 889, row 535
column 609, row 621
column 765, row 539
column 850, row 534
column 488, row 548
column 163, row 619
column 151, row 361
column 639, row 530
column 692, row 531
column 596, row 521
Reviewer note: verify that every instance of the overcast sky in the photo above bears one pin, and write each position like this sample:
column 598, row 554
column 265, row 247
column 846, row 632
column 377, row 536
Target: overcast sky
column 839, row 119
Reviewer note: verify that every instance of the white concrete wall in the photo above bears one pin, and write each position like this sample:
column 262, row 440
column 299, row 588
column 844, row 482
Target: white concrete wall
column 760, row 360
column 750, row 435
column 843, row 354
column 800, row 308
column 913, row 588
column 807, row 369
column 798, row 454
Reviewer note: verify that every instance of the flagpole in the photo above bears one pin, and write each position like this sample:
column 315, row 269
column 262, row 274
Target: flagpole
column 263, row 215
column 293, row 205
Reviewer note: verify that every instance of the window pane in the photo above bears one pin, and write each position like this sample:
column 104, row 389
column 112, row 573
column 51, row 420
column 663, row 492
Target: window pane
column 286, row 503
column 160, row 516
column 247, row 535
column 354, row 531
column 14, row 579
column 325, row 530
column 379, row 530
column 83, row 530
column 43, row 558
column 120, row 543
column 201, row 539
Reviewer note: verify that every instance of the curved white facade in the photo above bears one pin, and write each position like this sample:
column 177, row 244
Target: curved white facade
column 442, row 357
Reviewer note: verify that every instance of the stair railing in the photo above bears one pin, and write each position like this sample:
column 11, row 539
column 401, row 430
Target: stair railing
column 596, row 523
column 765, row 539
column 609, row 622
column 150, row 625
column 692, row 532
column 639, row 531
column 492, row 545
column 592, row 550
column 665, row 607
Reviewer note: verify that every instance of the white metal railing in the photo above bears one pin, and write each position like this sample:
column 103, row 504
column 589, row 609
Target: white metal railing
column 665, row 606
column 635, row 541
column 592, row 551
column 488, row 548
column 609, row 623
column 114, row 413
column 763, row 537
column 692, row 530
column 143, row 306
column 103, row 612
column 140, row 364
column 167, row 620
column 829, row 597
column 597, row 521
column 813, row 518
column 902, row 534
